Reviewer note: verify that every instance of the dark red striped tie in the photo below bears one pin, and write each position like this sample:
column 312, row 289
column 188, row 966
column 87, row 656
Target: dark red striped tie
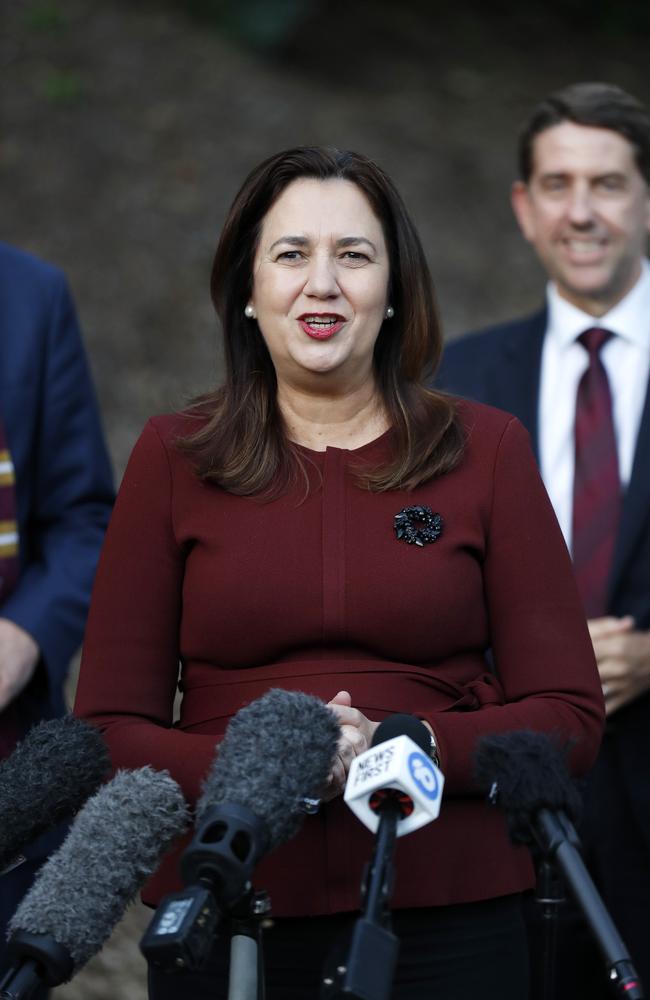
column 596, row 486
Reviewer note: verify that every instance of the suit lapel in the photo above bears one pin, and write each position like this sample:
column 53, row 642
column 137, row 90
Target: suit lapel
column 636, row 503
column 518, row 376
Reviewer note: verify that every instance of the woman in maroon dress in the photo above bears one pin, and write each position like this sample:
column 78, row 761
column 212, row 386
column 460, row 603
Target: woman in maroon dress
column 254, row 541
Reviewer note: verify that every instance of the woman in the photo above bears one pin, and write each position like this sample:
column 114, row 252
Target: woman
column 255, row 540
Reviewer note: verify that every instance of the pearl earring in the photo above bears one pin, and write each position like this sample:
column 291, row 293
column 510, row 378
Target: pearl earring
column 390, row 312
column 249, row 312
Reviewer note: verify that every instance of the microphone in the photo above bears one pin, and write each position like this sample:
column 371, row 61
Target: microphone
column 393, row 788
column 526, row 774
column 397, row 767
column 46, row 778
column 276, row 752
column 115, row 843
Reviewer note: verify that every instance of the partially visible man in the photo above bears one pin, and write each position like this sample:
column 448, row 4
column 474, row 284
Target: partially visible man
column 56, row 494
column 576, row 374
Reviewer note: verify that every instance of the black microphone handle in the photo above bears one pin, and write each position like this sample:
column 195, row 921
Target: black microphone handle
column 20, row 983
column 368, row 971
column 38, row 960
column 557, row 837
column 379, row 882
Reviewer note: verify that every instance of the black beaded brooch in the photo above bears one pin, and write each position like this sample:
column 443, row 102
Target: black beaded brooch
column 417, row 526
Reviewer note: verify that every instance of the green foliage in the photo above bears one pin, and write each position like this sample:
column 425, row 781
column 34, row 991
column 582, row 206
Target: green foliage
column 262, row 24
column 43, row 15
column 63, row 87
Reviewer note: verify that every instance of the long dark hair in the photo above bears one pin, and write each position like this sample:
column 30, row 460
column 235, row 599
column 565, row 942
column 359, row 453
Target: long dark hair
column 242, row 444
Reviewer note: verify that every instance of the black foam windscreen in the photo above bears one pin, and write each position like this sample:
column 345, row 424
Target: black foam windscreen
column 524, row 772
column 46, row 778
column 401, row 724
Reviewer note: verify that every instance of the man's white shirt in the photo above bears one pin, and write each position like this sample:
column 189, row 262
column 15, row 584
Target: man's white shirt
column 626, row 358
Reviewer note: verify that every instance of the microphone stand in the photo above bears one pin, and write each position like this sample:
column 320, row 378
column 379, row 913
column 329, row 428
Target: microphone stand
column 558, row 842
column 368, row 971
column 186, row 925
column 549, row 896
column 246, row 973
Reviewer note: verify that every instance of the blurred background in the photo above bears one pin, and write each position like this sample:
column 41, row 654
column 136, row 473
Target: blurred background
column 127, row 127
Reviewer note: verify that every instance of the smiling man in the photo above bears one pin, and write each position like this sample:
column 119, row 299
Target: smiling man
column 576, row 373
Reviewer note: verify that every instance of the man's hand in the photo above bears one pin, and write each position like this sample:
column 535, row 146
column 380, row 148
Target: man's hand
column 623, row 657
column 18, row 658
column 356, row 736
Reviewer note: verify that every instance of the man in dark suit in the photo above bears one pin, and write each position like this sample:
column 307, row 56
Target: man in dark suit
column 56, row 494
column 576, row 373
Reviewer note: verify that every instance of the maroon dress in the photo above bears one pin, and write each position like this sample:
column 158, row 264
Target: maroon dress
column 315, row 592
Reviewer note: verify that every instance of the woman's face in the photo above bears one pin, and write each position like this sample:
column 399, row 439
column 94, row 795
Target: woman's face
column 320, row 280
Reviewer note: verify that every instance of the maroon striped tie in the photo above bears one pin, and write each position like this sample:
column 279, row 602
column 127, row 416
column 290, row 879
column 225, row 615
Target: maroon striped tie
column 596, row 486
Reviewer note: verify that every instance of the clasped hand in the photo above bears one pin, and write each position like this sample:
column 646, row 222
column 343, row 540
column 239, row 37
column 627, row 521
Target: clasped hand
column 18, row 658
column 357, row 732
column 623, row 657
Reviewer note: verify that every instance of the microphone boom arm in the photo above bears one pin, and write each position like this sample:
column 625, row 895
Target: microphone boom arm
column 558, row 841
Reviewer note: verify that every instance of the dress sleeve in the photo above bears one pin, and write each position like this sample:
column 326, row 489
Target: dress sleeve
column 542, row 651
column 130, row 663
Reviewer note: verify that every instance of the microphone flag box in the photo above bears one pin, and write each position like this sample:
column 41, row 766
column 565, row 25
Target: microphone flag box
column 397, row 764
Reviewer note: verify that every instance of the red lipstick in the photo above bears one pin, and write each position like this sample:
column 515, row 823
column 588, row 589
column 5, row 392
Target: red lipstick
column 321, row 326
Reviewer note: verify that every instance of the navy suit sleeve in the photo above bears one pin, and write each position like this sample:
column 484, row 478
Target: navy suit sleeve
column 63, row 474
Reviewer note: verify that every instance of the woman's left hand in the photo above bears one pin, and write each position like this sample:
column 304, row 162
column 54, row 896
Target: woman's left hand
column 357, row 732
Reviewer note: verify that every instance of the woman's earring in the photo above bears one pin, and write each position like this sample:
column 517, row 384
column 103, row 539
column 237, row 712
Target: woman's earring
column 249, row 312
column 390, row 312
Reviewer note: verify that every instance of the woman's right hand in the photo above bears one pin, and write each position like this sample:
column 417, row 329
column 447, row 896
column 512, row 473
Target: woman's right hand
column 357, row 732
